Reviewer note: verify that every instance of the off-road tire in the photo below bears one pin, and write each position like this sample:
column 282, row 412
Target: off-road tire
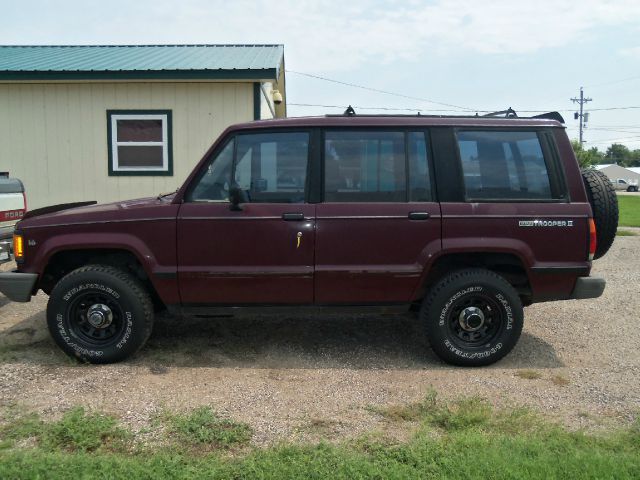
column 604, row 204
column 440, row 318
column 124, row 297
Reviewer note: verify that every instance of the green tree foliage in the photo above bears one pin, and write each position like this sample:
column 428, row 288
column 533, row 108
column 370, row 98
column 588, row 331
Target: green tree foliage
column 587, row 158
column 616, row 153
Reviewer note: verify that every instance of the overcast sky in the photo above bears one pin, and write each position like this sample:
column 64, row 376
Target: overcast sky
column 478, row 55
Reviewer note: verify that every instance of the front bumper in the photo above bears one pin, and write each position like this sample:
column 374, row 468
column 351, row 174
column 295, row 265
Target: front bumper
column 588, row 287
column 18, row 286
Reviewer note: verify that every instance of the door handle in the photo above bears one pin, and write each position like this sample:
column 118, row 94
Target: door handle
column 419, row 215
column 293, row 217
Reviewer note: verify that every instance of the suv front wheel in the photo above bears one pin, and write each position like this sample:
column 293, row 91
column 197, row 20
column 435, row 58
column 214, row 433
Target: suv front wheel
column 472, row 317
column 99, row 314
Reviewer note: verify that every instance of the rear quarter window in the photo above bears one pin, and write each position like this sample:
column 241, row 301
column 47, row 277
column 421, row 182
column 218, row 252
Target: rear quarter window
column 504, row 165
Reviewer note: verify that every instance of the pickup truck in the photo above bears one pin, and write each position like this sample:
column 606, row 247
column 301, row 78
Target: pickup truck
column 625, row 185
column 13, row 206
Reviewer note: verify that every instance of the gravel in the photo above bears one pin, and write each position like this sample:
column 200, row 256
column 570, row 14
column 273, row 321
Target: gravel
column 301, row 378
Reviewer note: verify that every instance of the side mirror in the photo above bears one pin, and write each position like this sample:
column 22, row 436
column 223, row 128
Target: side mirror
column 237, row 196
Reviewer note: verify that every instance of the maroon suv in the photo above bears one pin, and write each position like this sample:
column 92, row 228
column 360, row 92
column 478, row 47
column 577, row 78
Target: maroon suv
column 462, row 219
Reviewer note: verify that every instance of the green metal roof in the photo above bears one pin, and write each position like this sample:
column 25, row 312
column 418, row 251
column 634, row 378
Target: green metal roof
column 251, row 62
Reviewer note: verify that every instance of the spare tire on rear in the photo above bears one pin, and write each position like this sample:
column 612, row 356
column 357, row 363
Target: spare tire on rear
column 604, row 204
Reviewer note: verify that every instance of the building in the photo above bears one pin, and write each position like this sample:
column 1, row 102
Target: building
column 108, row 123
column 616, row 172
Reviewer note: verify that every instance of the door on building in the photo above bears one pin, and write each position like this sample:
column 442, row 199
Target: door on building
column 263, row 252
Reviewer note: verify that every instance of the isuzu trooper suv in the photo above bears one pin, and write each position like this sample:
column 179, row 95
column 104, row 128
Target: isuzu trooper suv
column 463, row 220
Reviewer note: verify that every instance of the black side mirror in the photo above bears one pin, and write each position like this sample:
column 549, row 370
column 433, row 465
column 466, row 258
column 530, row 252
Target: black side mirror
column 237, row 196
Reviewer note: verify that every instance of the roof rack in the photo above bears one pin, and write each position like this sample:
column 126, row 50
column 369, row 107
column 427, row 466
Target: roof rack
column 508, row 113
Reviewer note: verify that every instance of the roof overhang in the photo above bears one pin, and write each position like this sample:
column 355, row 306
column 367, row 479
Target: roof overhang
column 180, row 75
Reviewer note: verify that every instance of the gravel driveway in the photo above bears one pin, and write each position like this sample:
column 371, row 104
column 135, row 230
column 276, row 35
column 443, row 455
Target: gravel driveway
column 293, row 378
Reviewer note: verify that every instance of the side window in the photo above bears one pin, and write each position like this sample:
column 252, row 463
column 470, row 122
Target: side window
column 364, row 167
column 213, row 183
column 503, row 165
column 269, row 167
column 272, row 167
column 419, row 178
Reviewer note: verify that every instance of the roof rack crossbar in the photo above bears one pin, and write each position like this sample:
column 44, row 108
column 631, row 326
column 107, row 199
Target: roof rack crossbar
column 508, row 113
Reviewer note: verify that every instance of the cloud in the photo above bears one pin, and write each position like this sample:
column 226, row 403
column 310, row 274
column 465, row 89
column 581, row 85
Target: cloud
column 332, row 35
column 633, row 52
column 329, row 36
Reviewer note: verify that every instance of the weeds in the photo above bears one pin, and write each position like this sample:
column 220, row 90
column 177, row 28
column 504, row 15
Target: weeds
column 203, row 426
column 76, row 431
column 465, row 439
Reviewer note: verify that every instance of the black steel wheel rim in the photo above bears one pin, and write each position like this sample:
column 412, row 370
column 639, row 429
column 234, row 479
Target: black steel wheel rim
column 493, row 321
column 78, row 315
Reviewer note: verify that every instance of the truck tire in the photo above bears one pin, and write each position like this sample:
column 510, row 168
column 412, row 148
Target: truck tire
column 604, row 204
column 472, row 317
column 99, row 314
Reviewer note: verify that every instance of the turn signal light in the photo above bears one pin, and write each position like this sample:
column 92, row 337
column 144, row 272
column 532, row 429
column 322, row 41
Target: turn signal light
column 592, row 239
column 18, row 247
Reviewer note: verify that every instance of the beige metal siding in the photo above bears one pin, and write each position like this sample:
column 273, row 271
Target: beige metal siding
column 266, row 101
column 54, row 136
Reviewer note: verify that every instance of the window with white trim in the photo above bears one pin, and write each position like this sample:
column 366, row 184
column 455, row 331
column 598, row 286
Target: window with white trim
column 139, row 142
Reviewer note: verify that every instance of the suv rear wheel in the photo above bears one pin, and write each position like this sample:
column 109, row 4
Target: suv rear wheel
column 472, row 317
column 99, row 314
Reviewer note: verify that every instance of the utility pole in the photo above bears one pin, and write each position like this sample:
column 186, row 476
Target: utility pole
column 583, row 117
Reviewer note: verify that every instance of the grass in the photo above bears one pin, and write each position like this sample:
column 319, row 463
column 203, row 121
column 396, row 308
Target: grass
column 626, row 233
column 76, row 431
column 629, row 210
column 463, row 439
column 528, row 374
column 203, row 428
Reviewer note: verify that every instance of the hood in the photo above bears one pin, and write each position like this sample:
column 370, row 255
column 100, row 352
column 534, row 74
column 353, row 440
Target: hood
column 55, row 208
column 87, row 212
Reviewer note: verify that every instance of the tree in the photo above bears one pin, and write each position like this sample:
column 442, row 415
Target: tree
column 586, row 158
column 618, row 153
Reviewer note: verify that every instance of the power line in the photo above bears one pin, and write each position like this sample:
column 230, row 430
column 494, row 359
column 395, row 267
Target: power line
column 613, row 82
column 385, row 92
column 613, row 126
column 613, row 130
column 393, row 109
column 614, row 140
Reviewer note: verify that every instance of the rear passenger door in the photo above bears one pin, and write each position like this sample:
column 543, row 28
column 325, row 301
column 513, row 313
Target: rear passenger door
column 378, row 223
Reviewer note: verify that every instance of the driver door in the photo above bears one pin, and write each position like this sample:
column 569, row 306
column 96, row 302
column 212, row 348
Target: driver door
column 263, row 252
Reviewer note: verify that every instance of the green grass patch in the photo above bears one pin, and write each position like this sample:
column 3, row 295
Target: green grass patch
column 629, row 210
column 76, row 431
column 465, row 439
column 626, row 233
column 204, row 428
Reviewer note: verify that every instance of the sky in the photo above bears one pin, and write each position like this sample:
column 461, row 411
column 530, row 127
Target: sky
column 449, row 57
